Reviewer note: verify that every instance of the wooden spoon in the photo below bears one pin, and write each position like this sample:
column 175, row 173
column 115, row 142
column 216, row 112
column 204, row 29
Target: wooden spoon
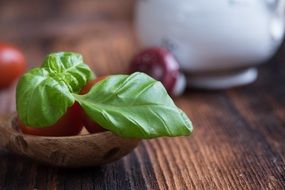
column 70, row 151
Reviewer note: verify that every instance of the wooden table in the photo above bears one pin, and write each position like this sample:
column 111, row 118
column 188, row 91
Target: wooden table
column 239, row 137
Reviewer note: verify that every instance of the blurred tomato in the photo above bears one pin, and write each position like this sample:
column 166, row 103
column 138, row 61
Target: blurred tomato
column 69, row 124
column 12, row 64
column 90, row 125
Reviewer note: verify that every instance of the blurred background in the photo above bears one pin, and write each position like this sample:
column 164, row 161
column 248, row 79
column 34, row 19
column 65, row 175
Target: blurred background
column 238, row 140
column 100, row 30
column 216, row 48
column 230, row 36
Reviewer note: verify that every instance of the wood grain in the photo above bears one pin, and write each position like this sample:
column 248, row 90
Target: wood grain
column 239, row 136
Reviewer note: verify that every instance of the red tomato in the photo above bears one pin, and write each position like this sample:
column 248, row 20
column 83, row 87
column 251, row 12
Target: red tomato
column 12, row 64
column 90, row 125
column 70, row 124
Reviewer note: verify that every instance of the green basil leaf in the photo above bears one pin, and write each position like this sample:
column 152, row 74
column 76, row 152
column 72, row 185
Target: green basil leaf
column 134, row 106
column 44, row 94
column 68, row 67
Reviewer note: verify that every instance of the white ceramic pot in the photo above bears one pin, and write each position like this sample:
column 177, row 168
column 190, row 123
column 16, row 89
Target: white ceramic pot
column 217, row 43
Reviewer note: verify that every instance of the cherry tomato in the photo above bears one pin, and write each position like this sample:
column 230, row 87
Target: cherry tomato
column 90, row 125
column 70, row 124
column 12, row 64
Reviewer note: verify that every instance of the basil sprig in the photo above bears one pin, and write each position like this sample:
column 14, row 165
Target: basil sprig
column 43, row 94
column 133, row 105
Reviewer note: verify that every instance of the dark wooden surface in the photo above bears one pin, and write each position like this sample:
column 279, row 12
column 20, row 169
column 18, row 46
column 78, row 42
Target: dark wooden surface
column 239, row 137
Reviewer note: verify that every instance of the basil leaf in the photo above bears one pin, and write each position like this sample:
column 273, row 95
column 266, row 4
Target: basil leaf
column 44, row 94
column 134, row 106
column 68, row 67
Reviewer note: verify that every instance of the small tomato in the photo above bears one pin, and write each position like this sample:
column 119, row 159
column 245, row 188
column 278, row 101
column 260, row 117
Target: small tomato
column 70, row 124
column 12, row 64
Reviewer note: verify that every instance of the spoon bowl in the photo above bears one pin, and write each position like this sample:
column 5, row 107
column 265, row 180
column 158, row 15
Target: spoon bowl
column 70, row 151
